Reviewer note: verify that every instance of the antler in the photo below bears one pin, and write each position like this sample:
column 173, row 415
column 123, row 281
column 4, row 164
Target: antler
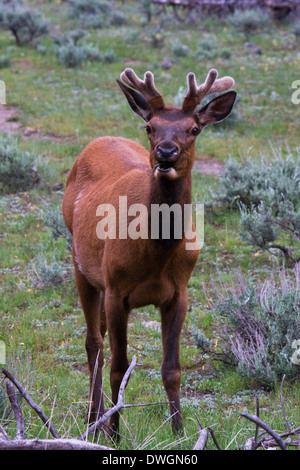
column 146, row 87
column 195, row 93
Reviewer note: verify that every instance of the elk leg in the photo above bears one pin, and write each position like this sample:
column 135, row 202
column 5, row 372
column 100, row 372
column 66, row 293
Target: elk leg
column 90, row 301
column 117, row 317
column 172, row 318
column 103, row 325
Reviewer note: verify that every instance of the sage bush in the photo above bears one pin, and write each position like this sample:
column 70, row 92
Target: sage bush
column 267, row 193
column 256, row 324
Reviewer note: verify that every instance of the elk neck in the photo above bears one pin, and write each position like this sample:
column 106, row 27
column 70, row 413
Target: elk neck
column 165, row 191
column 169, row 192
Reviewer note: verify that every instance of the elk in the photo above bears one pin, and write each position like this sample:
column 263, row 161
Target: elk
column 117, row 274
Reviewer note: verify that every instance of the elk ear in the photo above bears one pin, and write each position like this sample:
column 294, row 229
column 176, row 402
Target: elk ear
column 217, row 109
column 136, row 101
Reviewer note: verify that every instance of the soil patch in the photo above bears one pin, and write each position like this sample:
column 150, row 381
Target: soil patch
column 10, row 124
column 210, row 166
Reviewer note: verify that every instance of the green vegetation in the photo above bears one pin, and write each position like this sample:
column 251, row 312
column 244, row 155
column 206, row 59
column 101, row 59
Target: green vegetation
column 257, row 326
column 267, row 193
column 24, row 23
column 67, row 100
column 248, row 21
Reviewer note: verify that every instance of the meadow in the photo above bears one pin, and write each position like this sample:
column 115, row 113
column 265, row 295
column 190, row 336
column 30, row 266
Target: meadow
column 55, row 110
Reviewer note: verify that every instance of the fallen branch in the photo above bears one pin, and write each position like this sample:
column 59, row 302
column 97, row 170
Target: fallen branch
column 49, row 444
column 33, row 405
column 267, row 428
column 202, row 439
column 16, row 409
column 19, row 442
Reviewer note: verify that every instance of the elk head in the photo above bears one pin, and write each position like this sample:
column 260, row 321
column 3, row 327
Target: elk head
column 172, row 130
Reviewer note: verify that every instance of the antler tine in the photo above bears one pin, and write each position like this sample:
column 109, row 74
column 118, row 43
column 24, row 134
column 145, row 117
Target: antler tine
column 195, row 93
column 146, row 87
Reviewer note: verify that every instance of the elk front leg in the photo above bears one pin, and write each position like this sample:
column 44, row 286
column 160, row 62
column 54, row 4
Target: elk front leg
column 172, row 318
column 91, row 304
column 117, row 317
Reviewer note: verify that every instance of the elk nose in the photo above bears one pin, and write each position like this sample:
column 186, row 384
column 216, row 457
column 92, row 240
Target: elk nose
column 167, row 150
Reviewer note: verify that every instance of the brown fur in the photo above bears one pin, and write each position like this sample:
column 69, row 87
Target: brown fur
column 116, row 275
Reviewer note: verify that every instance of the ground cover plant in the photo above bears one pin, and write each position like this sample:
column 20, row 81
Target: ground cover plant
column 60, row 109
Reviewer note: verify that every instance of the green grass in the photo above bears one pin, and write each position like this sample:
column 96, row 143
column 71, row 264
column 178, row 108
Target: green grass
column 43, row 327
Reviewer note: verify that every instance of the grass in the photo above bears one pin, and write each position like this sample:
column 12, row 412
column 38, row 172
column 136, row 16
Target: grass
column 42, row 325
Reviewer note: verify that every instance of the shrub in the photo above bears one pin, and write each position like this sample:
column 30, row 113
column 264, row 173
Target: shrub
column 296, row 31
column 4, row 61
column 71, row 55
column 257, row 324
column 72, row 37
column 109, row 56
column 268, row 196
column 54, row 220
column 18, row 171
column 146, row 8
column 94, row 22
column 208, row 49
column 48, row 273
column 25, row 24
column 118, row 18
column 92, row 14
column 248, row 21
column 179, row 49
column 89, row 7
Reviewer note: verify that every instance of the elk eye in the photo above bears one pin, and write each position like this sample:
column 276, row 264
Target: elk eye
column 195, row 130
column 148, row 129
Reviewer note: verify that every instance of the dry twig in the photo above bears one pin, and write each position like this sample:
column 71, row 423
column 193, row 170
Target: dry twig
column 33, row 405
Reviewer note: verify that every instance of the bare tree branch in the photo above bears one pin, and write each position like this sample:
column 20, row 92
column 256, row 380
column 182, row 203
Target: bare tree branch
column 214, row 437
column 267, row 428
column 202, row 439
column 50, row 444
column 16, row 409
column 33, row 405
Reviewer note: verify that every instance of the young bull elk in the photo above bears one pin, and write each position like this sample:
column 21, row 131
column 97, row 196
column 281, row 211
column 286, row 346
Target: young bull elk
column 115, row 274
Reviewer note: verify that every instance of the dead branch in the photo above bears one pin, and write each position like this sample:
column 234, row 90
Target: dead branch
column 267, row 428
column 49, row 444
column 33, row 405
column 214, row 438
column 3, row 434
column 19, row 442
column 16, row 409
column 202, row 439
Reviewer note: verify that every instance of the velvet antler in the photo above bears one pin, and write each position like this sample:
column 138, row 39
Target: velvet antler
column 145, row 87
column 195, row 93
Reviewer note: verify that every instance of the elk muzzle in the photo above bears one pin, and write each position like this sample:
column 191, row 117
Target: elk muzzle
column 166, row 155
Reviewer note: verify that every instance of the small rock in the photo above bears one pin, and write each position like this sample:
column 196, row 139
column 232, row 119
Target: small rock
column 29, row 131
